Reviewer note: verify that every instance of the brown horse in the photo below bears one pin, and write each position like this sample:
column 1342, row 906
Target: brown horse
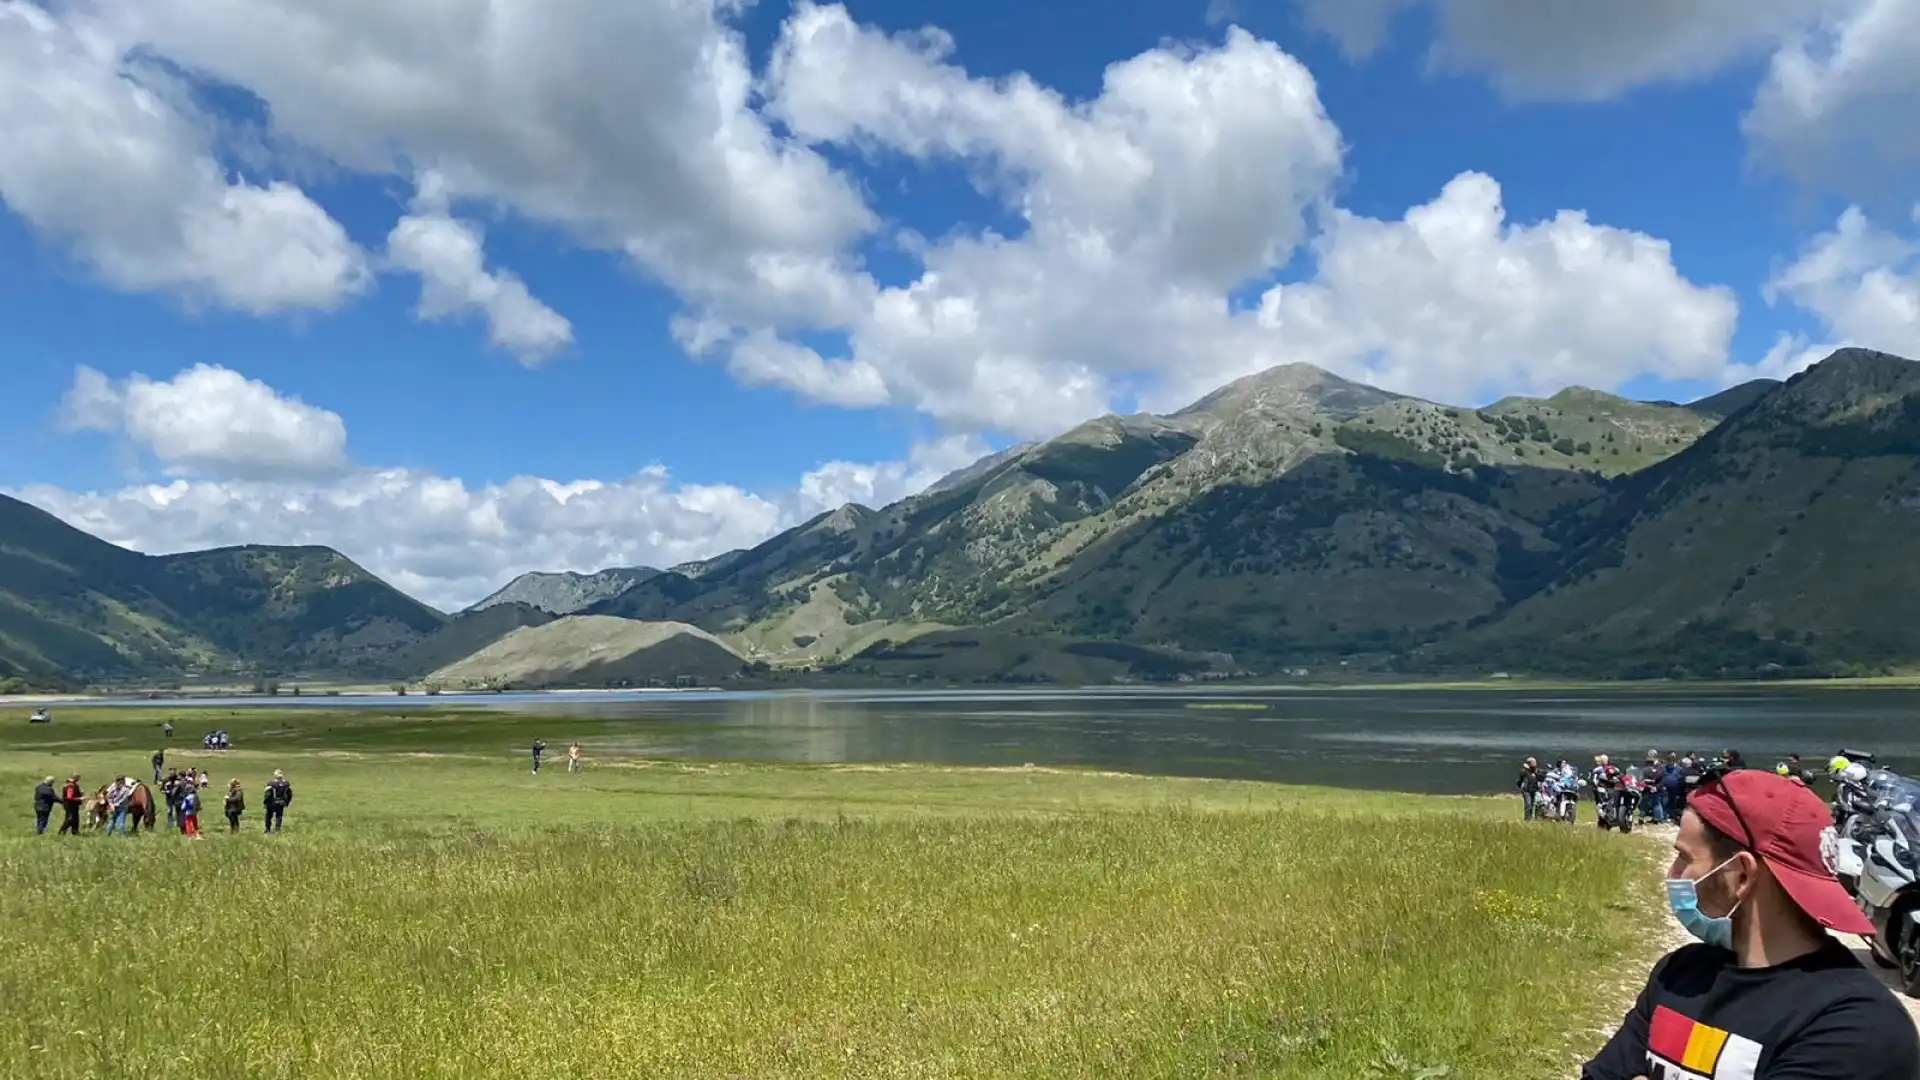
column 140, row 808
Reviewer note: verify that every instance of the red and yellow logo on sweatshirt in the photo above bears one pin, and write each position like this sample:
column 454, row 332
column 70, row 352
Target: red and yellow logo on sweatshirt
column 1682, row 1049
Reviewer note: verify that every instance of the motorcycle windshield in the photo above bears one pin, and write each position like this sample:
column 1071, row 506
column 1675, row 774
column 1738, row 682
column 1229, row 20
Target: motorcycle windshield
column 1897, row 803
column 1897, row 793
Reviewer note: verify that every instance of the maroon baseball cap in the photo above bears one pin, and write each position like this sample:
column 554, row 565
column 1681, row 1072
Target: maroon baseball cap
column 1788, row 824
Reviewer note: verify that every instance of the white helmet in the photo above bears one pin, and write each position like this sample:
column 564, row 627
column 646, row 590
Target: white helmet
column 1854, row 774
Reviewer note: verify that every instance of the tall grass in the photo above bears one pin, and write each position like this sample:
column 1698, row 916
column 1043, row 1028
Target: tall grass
column 456, row 918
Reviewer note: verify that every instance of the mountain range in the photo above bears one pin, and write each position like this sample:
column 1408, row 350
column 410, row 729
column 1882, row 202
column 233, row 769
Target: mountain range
column 74, row 608
column 1290, row 517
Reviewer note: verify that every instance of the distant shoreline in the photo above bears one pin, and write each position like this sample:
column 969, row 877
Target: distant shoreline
column 159, row 698
column 1206, row 689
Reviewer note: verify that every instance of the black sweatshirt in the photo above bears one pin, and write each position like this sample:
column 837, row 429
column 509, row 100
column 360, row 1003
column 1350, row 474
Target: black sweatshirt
column 1819, row 1017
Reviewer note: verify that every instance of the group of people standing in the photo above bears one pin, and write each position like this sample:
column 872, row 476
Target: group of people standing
column 1661, row 780
column 118, row 802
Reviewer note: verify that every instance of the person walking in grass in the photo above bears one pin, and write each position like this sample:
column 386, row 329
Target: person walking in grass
column 539, row 748
column 43, row 800
column 159, row 759
column 236, row 805
column 278, row 797
column 573, row 758
column 71, row 796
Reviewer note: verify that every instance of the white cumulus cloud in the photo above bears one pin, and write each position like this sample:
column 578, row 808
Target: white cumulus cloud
column 450, row 257
column 432, row 536
column 209, row 419
column 1191, row 171
column 1145, row 223
column 1861, row 282
column 105, row 154
column 1457, row 303
column 267, row 469
column 628, row 125
column 877, row 484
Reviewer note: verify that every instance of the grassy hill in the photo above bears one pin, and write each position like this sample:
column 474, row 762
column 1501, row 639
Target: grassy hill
column 465, row 634
column 593, row 650
column 75, row 608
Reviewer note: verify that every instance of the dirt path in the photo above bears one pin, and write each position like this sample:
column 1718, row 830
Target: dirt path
column 1672, row 937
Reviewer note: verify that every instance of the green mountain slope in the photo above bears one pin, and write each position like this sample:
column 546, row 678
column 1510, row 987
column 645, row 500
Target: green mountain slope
column 75, row 607
column 1782, row 538
column 1286, row 517
column 1289, row 510
column 1733, row 399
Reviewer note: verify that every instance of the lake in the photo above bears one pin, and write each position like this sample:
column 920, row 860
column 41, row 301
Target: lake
column 1441, row 741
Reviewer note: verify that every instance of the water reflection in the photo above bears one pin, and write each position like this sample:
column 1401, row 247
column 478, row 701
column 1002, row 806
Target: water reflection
column 1439, row 741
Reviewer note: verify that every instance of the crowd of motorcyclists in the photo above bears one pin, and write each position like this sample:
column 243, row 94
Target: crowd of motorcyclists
column 1873, row 848
column 1653, row 792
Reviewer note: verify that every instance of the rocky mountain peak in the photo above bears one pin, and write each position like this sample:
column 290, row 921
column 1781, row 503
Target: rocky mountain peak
column 843, row 520
column 565, row 592
column 1297, row 388
column 1851, row 385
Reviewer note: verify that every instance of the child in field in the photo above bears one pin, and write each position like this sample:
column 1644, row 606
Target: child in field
column 573, row 758
column 190, row 812
column 236, row 805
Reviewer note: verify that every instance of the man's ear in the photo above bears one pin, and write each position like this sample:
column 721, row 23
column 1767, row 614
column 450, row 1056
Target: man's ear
column 1743, row 876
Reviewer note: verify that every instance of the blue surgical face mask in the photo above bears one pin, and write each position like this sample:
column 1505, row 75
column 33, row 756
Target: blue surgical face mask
column 1684, row 898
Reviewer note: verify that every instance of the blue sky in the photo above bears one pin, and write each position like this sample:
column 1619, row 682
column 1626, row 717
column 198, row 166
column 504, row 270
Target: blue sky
column 1713, row 150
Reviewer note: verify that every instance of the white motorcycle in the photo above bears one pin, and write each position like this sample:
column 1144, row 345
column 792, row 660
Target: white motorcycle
column 1875, row 855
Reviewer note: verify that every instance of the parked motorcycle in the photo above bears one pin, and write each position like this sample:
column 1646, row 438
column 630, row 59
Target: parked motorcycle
column 1878, row 856
column 1617, row 807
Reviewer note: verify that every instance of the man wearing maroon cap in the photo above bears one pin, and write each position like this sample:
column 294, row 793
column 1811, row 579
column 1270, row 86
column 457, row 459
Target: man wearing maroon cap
column 1768, row 994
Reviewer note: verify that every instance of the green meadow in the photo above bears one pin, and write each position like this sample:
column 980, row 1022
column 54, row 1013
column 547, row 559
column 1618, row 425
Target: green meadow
column 434, row 910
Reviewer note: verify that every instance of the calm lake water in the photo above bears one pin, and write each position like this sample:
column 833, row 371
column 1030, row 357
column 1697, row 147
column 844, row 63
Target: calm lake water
column 1434, row 741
